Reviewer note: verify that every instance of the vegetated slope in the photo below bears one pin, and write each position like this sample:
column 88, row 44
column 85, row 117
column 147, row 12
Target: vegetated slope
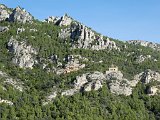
column 62, row 69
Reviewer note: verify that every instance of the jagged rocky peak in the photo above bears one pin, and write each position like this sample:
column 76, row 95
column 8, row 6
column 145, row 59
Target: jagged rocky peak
column 4, row 12
column 81, row 36
column 20, row 15
column 152, row 45
column 65, row 20
column 23, row 53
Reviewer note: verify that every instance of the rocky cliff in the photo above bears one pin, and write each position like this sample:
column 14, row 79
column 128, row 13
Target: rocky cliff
column 81, row 36
column 16, row 15
column 24, row 56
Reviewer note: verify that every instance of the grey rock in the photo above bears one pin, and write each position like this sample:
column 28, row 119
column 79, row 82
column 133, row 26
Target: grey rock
column 65, row 20
column 153, row 90
column 69, row 92
column 152, row 45
column 80, row 81
column 20, row 15
column 4, row 13
column 3, row 29
column 86, row 82
column 6, row 101
column 52, row 19
column 148, row 76
column 23, row 54
column 110, row 75
column 19, row 30
column 61, row 21
column 117, row 83
column 81, row 36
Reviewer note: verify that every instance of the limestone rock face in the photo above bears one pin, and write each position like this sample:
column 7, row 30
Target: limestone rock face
column 4, row 13
column 84, row 37
column 148, row 76
column 118, row 84
column 120, row 87
column 81, row 36
column 65, row 20
column 152, row 45
column 20, row 15
column 86, row 82
column 23, row 54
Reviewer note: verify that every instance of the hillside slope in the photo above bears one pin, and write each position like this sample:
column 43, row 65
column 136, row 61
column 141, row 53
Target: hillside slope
column 61, row 69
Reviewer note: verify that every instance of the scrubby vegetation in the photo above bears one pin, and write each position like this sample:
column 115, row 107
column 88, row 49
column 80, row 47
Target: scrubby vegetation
column 94, row 105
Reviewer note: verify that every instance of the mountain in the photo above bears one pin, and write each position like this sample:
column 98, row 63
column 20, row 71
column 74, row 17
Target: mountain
column 61, row 69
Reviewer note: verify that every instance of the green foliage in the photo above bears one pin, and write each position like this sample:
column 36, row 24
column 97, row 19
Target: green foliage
column 94, row 105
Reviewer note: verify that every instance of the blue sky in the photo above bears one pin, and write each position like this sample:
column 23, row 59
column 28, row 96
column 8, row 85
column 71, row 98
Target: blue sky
column 120, row 19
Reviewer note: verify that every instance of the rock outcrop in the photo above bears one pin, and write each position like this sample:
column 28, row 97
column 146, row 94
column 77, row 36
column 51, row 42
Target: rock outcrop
column 81, row 36
column 118, row 84
column 152, row 45
column 60, row 21
column 86, row 82
column 4, row 13
column 120, row 87
column 20, row 15
column 17, row 84
column 148, row 76
column 23, row 54
column 73, row 64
